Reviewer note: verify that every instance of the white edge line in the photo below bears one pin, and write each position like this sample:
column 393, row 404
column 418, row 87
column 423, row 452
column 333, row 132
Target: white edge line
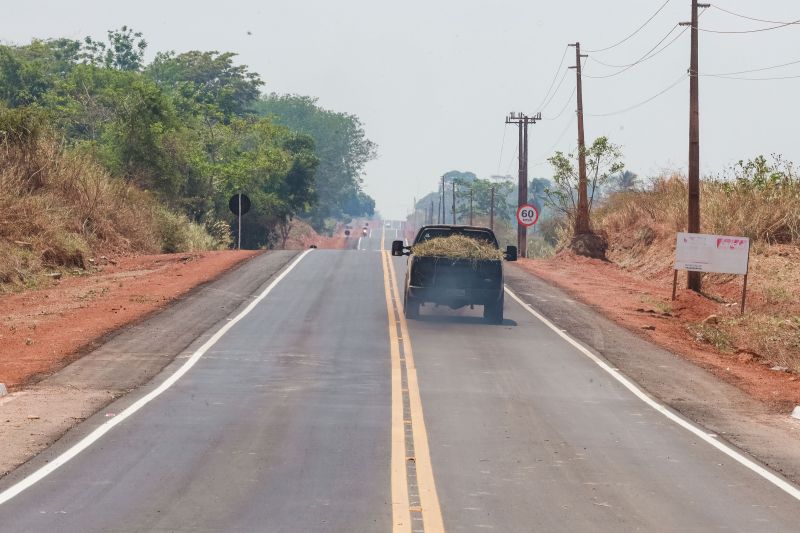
column 358, row 246
column 639, row 393
column 104, row 428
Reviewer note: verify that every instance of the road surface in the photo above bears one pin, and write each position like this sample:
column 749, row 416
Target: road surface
column 320, row 409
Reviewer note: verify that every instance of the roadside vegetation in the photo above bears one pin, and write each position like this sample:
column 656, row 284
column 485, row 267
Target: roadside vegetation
column 759, row 199
column 101, row 152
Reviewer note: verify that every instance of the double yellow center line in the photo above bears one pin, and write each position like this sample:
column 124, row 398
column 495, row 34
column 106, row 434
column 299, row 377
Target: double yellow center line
column 415, row 503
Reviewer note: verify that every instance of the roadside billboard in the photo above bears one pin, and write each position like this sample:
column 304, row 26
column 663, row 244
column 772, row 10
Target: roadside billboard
column 722, row 254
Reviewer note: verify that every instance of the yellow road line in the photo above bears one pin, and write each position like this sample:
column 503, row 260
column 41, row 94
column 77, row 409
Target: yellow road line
column 429, row 499
column 401, row 519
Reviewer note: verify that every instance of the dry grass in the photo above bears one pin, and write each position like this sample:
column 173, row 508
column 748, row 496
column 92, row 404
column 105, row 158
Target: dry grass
column 58, row 209
column 458, row 247
column 641, row 225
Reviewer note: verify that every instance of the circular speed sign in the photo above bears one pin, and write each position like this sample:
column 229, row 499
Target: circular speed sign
column 527, row 215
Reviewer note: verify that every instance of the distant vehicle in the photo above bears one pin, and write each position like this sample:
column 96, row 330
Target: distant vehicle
column 454, row 282
column 347, row 233
column 388, row 224
column 364, row 232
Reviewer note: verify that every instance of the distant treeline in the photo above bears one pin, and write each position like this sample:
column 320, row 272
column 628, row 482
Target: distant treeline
column 192, row 128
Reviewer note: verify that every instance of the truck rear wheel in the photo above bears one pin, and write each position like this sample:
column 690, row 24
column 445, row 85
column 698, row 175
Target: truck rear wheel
column 410, row 307
column 493, row 313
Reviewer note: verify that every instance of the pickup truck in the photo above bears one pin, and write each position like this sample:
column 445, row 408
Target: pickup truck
column 454, row 282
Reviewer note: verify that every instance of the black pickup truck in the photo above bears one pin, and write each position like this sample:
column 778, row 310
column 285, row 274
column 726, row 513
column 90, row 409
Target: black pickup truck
column 454, row 282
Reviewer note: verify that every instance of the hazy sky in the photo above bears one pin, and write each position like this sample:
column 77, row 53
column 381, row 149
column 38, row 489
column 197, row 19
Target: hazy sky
column 433, row 80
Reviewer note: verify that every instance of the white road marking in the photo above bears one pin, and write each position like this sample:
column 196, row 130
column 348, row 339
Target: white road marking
column 358, row 246
column 782, row 484
column 104, row 428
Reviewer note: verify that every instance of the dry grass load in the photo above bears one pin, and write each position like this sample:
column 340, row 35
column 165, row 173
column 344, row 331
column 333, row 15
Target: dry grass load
column 458, row 247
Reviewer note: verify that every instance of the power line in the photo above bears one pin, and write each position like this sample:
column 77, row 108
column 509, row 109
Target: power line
column 720, row 74
column 566, row 104
column 560, row 83
column 650, row 54
column 631, row 108
column 752, row 18
column 502, row 146
column 750, row 79
column 641, row 59
column 541, row 159
column 640, row 28
column 757, row 30
column 555, row 76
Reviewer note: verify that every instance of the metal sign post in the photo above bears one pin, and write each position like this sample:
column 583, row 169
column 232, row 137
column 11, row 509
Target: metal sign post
column 239, row 204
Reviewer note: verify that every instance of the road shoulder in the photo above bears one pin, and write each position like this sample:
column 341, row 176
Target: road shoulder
column 691, row 390
column 33, row 418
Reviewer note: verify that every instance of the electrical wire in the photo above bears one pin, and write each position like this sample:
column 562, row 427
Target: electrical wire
column 752, row 18
column 631, row 108
column 750, row 79
column 560, row 83
column 757, row 30
column 542, row 158
column 720, row 74
column 645, row 57
column 555, row 76
column 640, row 28
column 566, row 104
column 502, row 146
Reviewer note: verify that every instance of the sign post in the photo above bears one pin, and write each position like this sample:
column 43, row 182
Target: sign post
column 239, row 204
column 723, row 254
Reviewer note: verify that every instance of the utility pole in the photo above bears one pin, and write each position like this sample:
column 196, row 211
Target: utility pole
column 470, row 205
column 442, row 219
column 522, row 121
column 491, row 210
column 582, row 216
column 429, row 218
column 454, row 202
column 694, row 281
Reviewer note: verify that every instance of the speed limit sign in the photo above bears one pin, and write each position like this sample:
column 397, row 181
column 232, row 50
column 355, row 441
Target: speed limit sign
column 527, row 215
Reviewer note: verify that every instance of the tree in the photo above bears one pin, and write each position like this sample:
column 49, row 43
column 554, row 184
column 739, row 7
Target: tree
column 341, row 146
column 124, row 50
column 625, row 181
column 603, row 159
column 208, row 79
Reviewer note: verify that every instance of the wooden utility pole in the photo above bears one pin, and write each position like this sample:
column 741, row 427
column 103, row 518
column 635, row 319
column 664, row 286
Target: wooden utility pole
column 522, row 121
column 442, row 211
column 491, row 210
column 430, row 216
column 694, row 278
column 470, row 205
column 454, row 201
column 582, row 225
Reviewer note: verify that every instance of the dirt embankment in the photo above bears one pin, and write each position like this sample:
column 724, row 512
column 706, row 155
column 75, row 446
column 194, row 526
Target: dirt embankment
column 43, row 330
column 692, row 326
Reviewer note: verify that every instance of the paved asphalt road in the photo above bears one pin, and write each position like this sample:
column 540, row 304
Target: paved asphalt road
column 308, row 415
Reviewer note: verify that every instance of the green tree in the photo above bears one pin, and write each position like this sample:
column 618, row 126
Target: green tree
column 341, row 146
column 123, row 51
column 603, row 159
column 208, row 79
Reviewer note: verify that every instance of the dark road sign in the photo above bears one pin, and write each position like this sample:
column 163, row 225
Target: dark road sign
column 233, row 204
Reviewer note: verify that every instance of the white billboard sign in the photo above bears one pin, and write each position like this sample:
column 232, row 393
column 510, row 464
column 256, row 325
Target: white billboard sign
column 712, row 253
